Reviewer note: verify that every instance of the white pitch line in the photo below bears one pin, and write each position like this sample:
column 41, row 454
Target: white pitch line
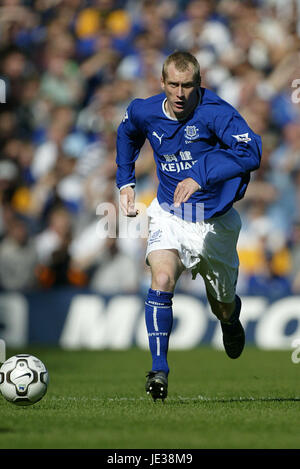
column 180, row 398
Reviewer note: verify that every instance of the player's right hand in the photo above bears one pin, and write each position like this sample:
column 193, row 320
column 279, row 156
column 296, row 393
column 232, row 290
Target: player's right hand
column 127, row 202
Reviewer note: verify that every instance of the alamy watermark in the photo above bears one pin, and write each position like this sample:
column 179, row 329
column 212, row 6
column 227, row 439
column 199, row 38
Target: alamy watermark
column 2, row 91
column 295, row 96
column 296, row 353
column 2, row 351
column 114, row 224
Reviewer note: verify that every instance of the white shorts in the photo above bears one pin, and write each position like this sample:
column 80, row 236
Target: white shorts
column 207, row 247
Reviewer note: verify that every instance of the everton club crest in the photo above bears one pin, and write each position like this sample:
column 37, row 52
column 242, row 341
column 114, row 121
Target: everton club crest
column 191, row 132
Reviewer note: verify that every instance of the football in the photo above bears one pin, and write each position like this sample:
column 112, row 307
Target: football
column 23, row 379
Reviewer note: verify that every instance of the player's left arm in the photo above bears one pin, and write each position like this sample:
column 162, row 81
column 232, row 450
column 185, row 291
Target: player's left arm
column 241, row 153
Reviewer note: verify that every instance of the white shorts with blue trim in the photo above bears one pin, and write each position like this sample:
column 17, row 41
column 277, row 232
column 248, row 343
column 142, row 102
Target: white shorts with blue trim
column 205, row 247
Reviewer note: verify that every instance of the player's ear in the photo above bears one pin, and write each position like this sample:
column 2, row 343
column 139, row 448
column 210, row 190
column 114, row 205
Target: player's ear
column 162, row 83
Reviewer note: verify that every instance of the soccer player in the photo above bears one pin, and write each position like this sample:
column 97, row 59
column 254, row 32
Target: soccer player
column 204, row 153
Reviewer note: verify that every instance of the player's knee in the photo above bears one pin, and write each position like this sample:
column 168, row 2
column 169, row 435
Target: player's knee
column 163, row 281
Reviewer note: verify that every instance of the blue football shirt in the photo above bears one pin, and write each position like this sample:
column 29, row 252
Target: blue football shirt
column 214, row 145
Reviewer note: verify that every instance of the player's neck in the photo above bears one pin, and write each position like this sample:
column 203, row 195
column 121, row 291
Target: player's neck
column 173, row 116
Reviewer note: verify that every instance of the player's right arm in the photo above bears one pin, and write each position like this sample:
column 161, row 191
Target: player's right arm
column 130, row 139
column 127, row 201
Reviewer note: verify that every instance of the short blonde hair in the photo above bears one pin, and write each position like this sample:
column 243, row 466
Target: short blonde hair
column 182, row 61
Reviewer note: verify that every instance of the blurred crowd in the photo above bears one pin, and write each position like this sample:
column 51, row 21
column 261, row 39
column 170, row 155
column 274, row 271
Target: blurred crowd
column 68, row 70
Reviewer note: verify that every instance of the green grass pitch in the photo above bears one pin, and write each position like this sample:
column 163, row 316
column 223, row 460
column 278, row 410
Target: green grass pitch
column 96, row 399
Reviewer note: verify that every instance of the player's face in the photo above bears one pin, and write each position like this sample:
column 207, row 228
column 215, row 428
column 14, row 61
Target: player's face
column 181, row 91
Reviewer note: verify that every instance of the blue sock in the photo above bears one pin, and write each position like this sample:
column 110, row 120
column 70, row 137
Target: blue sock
column 159, row 321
